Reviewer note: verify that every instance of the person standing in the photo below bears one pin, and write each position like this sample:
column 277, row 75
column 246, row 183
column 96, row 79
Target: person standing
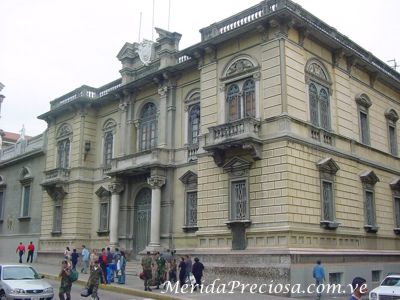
column 197, row 271
column 66, row 284
column 67, row 253
column 147, row 272
column 188, row 263
column 360, row 288
column 31, row 250
column 160, row 276
column 85, row 259
column 122, row 266
column 182, row 272
column 74, row 258
column 319, row 276
column 21, row 251
column 103, row 264
column 116, row 258
column 96, row 274
column 93, row 258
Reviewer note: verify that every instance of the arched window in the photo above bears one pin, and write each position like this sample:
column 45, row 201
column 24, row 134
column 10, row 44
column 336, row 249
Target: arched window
column 233, row 100
column 64, row 134
column 318, row 93
column 249, row 98
column 63, row 153
column 194, row 124
column 148, row 127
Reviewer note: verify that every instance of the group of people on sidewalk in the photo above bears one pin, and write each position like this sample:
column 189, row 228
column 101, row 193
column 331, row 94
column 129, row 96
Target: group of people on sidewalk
column 160, row 268
column 21, row 251
column 103, row 267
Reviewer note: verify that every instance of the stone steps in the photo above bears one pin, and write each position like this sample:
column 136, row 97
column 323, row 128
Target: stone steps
column 133, row 268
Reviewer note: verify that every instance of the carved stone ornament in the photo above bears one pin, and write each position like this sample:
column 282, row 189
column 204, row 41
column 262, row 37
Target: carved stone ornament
column 240, row 66
column 363, row 100
column 162, row 91
column 145, row 51
column 56, row 193
column 156, row 181
column 391, row 115
column 316, row 70
column 116, row 187
column 102, row 192
column 64, row 130
column 369, row 177
column 123, row 105
column 328, row 165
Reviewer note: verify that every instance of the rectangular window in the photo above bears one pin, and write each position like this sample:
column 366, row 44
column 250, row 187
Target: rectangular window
column 57, row 222
column 364, row 128
column 26, row 191
column 191, row 210
column 392, row 140
column 103, row 226
column 376, row 276
column 1, row 204
column 369, row 208
column 335, row 278
column 239, row 200
column 327, row 198
column 397, row 211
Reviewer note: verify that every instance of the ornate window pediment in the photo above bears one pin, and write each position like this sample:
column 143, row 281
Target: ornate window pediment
column 237, row 164
column 369, row 177
column 102, row 192
column 391, row 115
column 64, row 130
column 110, row 124
column 395, row 185
column 363, row 100
column 328, row 165
column 189, row 178
column 316, row 70
column 241, row 65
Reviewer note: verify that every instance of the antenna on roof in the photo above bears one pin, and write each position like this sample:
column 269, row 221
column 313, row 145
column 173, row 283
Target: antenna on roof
column 152, row 24
column 140, row 26
column 395, row 65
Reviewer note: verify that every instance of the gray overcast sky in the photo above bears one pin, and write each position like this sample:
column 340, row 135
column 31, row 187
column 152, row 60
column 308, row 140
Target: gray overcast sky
column 50, row 47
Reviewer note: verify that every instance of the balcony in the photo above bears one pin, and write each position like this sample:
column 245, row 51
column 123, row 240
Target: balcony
column 191, row 152
column 56, row 176
column 241, row 134
column 321, row 135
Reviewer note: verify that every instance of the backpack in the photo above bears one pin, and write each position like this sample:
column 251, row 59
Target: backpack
column 73, row 276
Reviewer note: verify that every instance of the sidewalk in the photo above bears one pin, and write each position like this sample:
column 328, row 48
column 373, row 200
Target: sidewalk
column 134, row 286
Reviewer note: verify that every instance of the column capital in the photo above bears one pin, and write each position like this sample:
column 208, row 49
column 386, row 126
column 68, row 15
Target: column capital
column 156, row 181
column 116, row 187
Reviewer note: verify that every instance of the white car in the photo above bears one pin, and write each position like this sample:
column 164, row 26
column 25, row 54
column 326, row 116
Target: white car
column 23, row 282
column 389, row 289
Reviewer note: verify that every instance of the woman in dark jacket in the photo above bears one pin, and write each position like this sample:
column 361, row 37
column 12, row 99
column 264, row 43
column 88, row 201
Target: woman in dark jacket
column 197, row 271
column 182, row 271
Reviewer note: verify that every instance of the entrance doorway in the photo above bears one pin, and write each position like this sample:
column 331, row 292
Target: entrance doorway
column 142, row 219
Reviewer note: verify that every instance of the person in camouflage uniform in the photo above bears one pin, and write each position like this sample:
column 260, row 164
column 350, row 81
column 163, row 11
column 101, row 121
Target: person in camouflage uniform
column 66, row 284
column 93, row 282
column 160, row 261
column 146, row 264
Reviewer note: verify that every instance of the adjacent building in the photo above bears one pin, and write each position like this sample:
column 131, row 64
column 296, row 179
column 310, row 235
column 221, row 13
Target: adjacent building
column 267, row 145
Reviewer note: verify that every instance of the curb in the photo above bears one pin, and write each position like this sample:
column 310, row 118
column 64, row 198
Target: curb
column 121, row 290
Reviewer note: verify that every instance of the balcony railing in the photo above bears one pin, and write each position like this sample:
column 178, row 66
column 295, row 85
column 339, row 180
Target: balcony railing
column 247, row 127
column 270, row 7
column 192, row 152
column 321, row 135
column 86, row 92
column 56, row 175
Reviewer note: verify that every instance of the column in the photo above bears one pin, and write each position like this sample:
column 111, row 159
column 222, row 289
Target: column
column 156, row 182
column 116, row 188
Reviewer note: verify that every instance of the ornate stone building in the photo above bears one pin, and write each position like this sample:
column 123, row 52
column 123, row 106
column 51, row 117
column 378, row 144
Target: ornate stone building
column 21, row 173
column 267, row 145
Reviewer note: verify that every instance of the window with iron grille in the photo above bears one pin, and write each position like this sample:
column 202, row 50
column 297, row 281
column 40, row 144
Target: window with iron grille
column 370, row 218
column 25, row 201
column 148, row 127
column 104, row 213
column 191, row 209
column 392, row 139
column 1, row 205
column 239, row 204
column 397, row 211
column 57, row 221
column 328, row 204
column 108, row 148
column 194, row 124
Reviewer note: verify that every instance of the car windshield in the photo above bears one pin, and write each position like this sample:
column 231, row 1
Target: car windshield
column 19, row 272
column 391, row 281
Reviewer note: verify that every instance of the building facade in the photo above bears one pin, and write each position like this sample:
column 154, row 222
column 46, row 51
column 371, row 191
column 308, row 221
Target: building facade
column 269, row 144
column 21, row 173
